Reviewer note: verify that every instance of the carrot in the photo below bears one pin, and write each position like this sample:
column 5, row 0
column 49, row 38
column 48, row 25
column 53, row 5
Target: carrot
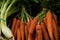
column 55, row 32
column 45, row 34
column 28, row 24
column 13, row 25
column 33, row 25
column 16, row 27
column 22, row 26
column 26, row 32
column 18, row 34
column 55, row 19
column 49, row 24
column 36, row 37
column 59, row 31
column 45, row 21
column 29, row 37
column 39, row 32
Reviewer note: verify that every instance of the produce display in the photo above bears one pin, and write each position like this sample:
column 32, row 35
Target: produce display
column 18, row 21
column 42, row 27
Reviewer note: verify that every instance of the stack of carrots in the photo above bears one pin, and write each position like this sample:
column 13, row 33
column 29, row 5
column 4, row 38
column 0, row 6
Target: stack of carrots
column 36, row 28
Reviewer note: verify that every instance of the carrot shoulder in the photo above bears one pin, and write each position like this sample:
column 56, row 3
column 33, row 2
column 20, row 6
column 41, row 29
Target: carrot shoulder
column 49, row 24
column 33, row 25
column 22, row 26
column 45, row 34
column 13, row 25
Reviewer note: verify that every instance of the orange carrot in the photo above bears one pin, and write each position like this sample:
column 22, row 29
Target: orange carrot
column 59, row 31
column 49, row 24
column 39, row 32
column 29, row 37
column 26, row 32
column 36, row 37
column 45, row 34
column 45, row 21
column 28, row 23
column 55, row 31
column 33, row 25
column 13, row 25
column 16, row 28
column 18, row 34
column 55, row 19
column 22, row 26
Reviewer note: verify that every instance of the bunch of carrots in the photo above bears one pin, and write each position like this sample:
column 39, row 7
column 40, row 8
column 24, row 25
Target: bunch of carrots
column 42, row 27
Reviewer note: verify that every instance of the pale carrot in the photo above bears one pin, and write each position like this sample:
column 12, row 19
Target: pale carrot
column 22, row 26
column 45, row 34
column 16, row 27
column 55, row 31
column 18, row 34
column 33, row 25
column 49, row 24
column 39, row 32
column 13, row 25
